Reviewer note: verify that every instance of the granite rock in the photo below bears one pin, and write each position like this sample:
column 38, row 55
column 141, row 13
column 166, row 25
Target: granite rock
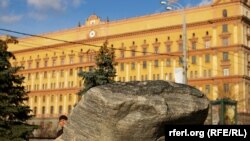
column 134, row 111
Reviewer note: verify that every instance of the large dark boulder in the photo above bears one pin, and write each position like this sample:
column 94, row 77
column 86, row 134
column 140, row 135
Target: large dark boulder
column 134, row 111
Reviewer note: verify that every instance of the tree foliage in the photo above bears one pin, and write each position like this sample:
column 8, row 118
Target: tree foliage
column 104, row 72
column 13, row 112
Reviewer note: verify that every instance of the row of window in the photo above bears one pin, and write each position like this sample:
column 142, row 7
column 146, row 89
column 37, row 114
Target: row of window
column 53, row 74
column 52, row 86
column 169, row 76
column 168, row 61
column 52, row 111
column 70, row 97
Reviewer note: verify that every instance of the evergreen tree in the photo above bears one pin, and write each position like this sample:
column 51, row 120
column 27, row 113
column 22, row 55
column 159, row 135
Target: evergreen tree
column 13, row 112
column 105, row 71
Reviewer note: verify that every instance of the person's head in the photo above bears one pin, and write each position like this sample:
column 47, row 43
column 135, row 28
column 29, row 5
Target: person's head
column 62, row 120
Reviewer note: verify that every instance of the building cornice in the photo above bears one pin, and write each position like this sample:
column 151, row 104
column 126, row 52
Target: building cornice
column 161, row 29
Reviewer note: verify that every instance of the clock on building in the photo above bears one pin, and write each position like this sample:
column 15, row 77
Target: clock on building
column 92, row 34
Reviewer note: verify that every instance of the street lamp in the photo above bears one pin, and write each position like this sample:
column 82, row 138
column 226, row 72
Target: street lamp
column 170, row 4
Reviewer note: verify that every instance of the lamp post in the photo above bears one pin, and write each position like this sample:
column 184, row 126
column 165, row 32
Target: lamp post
column 170, row 4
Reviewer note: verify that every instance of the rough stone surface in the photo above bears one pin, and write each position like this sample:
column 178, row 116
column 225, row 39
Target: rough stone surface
column 134, row 111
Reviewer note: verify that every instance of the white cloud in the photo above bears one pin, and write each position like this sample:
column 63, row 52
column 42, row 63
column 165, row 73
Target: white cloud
column 37, row 16
column 77, row 3
column 205, row 2
column 57, row 5
column 4, row 3
column 10, row 18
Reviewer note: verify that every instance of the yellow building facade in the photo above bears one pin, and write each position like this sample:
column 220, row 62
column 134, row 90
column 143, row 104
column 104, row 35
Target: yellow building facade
column 147, row 48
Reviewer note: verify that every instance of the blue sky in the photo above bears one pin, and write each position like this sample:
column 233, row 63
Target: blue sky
column 41, row 16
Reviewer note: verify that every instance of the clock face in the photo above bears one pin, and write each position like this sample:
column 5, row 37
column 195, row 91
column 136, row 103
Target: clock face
column 92, row 34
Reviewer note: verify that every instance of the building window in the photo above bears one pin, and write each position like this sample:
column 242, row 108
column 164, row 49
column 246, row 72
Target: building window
column 205, row 73
column 156, row 63
column 122, row 66
column 166, row 76
column 144, row 51
column 69, row 109
column 170, row 76
column 225, row 56
column 80, row 69
column 144, row 64
column 37, row 64
column 60, row 98
column 180, row 60
column 196, row 74
column 191, row 74
column 224, row 28
column 53, row 62
column 226, row 88
column 29, row 65
column 193, row 46
column 60, row 109
column 91, row 68
column 43, row 110
column 225, row 41
column 158, row 76
column 180, row 47
column 226, row 72
column 35, row 100
column 29, row 76
column 207, row 58
column 156, row 50
column 62, row 73
column 168, row 48
column 62, row 61
column 153, row 76
column 133, row 65
column 70, row 97
column 209, row 73
column 132, row 52
column 37, row 75
column 207, row 89
column 35, row 110
column 45, row 74
column 71, row 72
column 51, row 109
column 53, row 74
column 168, row 62
column 81, row 59
column 122, row 54
column 193, row 59
column 71, row 60
column 45, row 63
column 207, row 44
column 224, row 13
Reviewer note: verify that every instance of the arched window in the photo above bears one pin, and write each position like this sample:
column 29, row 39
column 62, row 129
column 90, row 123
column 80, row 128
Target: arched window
column 224, row 13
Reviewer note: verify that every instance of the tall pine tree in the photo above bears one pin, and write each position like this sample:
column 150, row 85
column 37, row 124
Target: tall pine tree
column 13, row 112
column 104, row 72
